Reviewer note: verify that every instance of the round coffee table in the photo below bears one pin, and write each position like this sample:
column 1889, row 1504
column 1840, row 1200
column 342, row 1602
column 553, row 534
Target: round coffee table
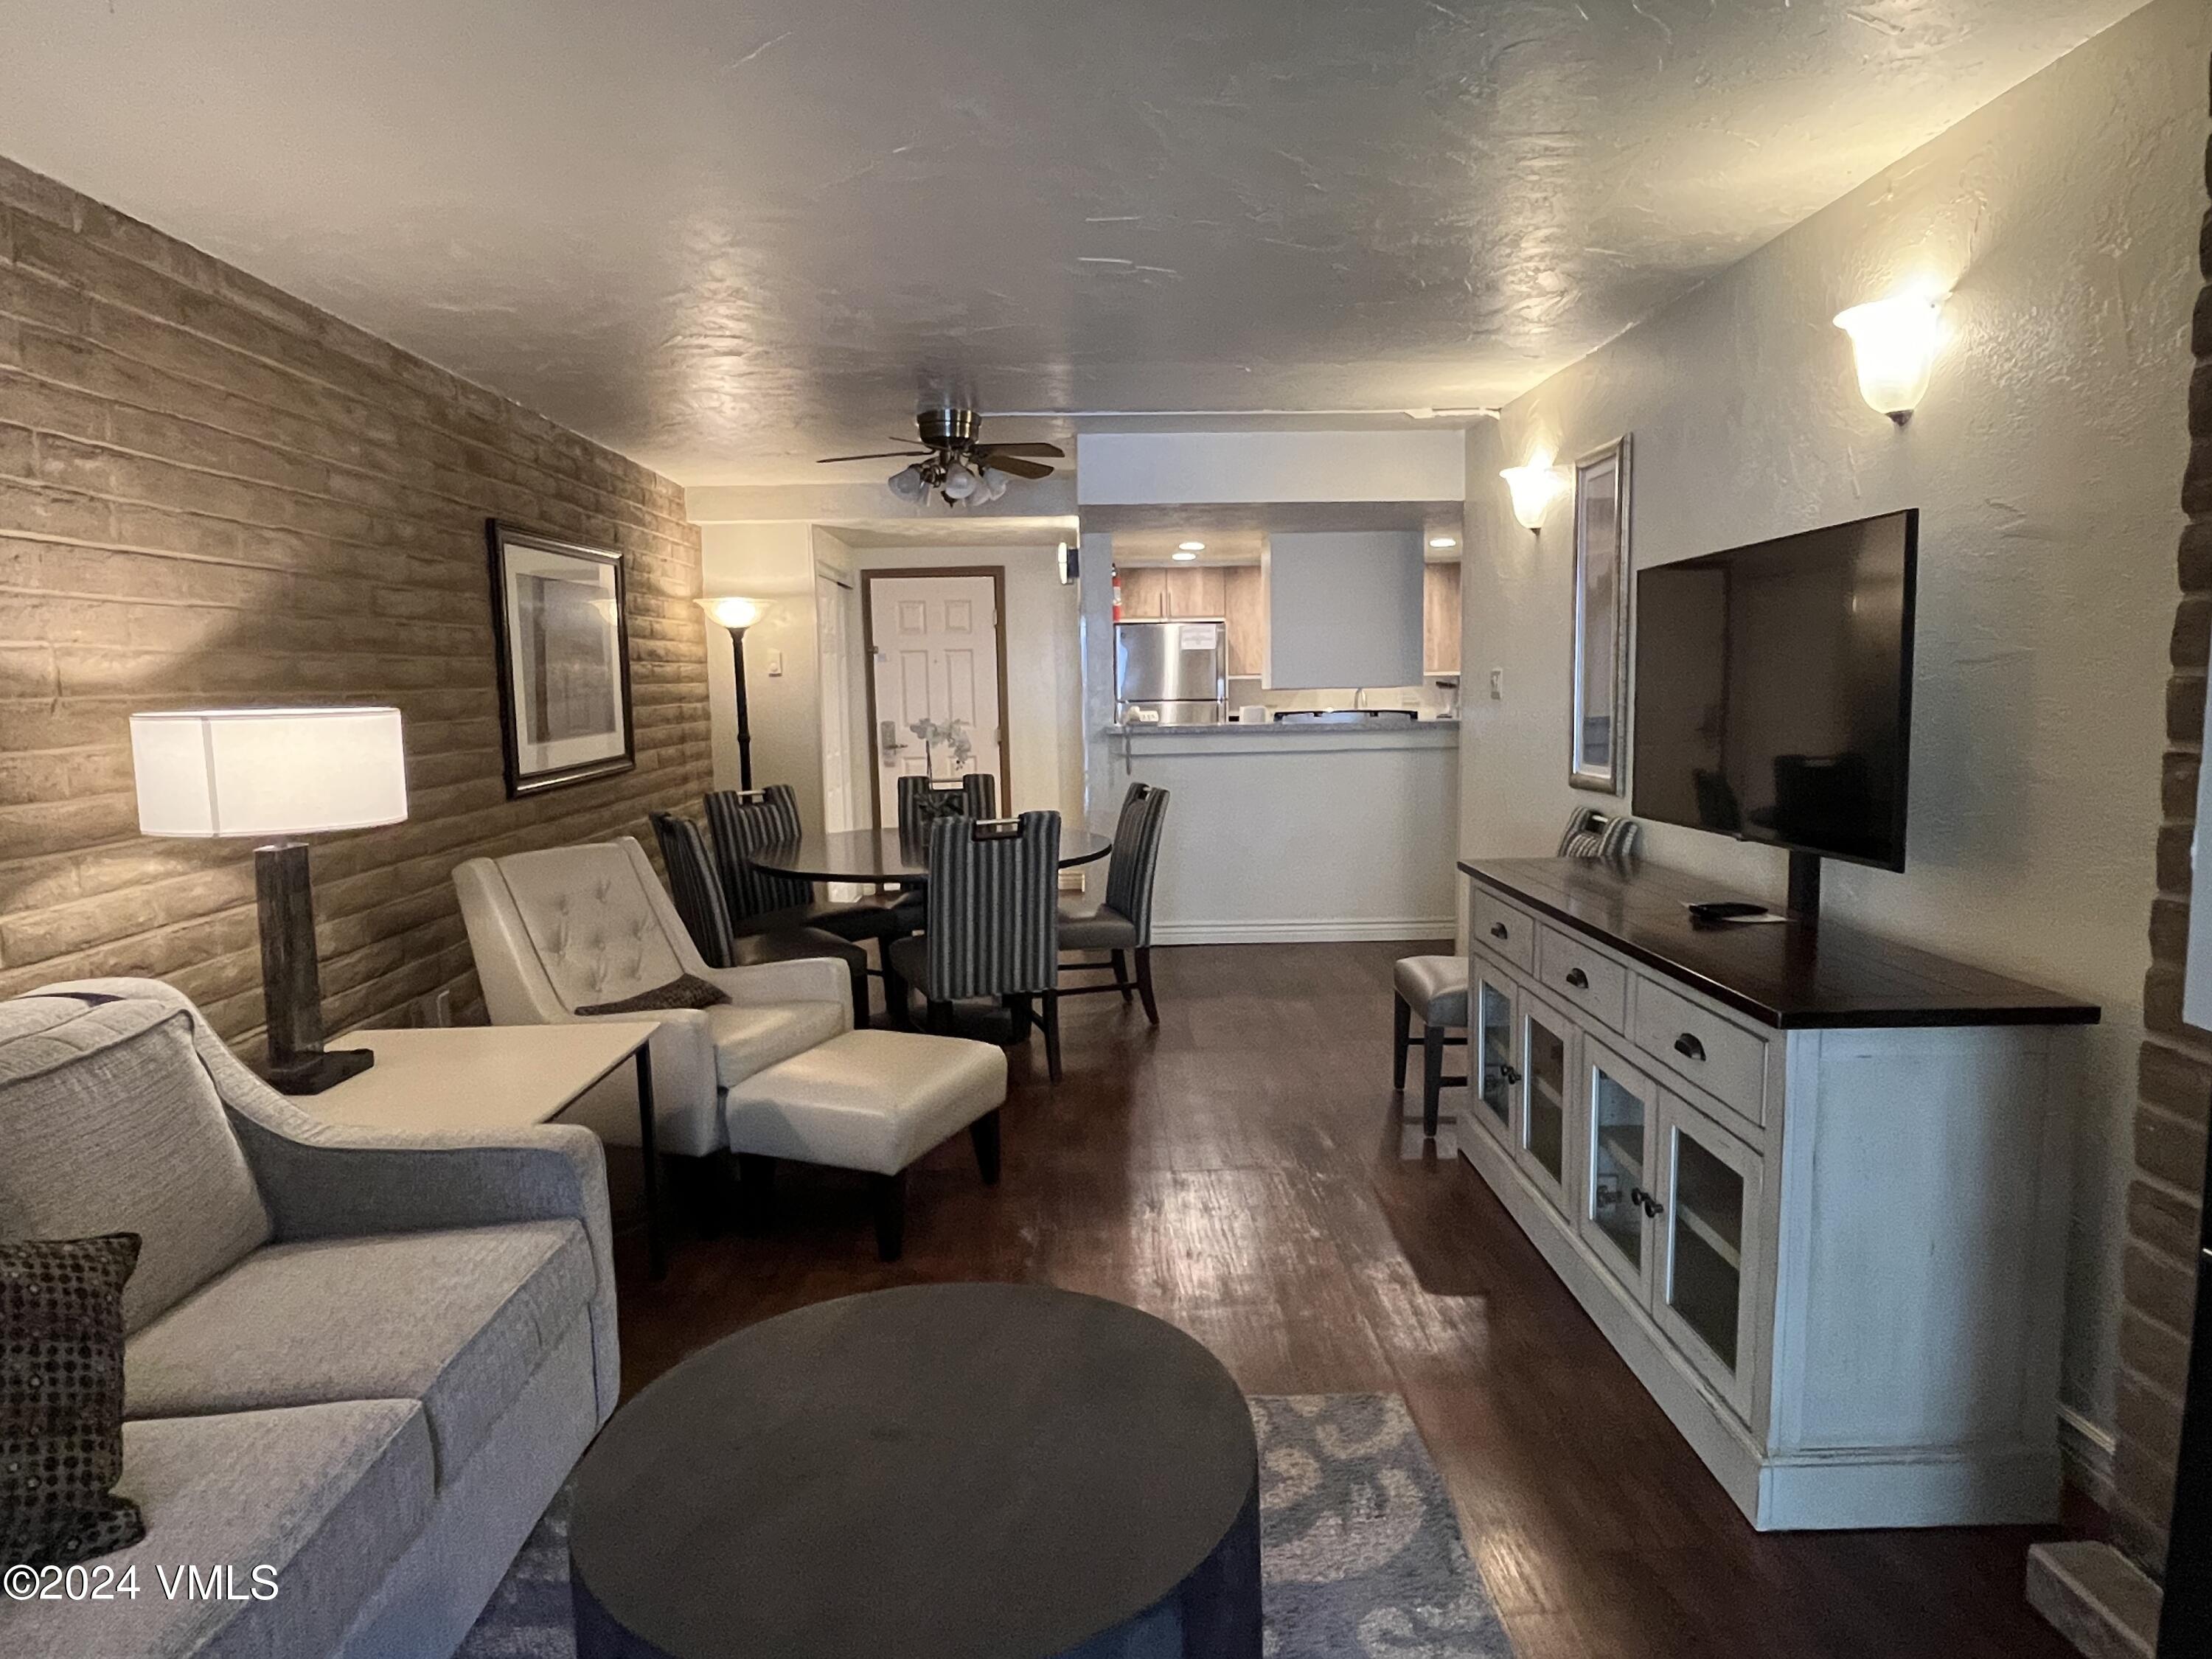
column 938, row 1472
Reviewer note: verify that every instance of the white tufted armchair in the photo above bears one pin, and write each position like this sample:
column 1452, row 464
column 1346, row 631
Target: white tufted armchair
column 555, row 931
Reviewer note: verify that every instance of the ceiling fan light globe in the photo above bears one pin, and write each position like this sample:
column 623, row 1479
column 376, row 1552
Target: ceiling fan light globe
column 907, row 484
column 959, row 483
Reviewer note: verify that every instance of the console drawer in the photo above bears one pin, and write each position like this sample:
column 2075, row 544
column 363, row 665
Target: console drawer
column 1723, row 1059
column 1580, row 977
column 1506, row 931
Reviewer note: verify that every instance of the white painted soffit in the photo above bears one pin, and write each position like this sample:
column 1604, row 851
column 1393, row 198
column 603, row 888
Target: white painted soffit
column 1141, row 468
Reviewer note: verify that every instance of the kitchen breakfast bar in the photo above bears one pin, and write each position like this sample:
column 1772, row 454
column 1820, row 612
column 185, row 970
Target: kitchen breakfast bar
column 1299, row 832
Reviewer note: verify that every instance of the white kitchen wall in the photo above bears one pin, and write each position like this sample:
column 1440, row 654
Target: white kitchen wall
column 2046, row 460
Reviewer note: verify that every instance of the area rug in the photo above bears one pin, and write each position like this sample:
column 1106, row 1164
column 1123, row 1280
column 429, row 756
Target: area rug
column 1360, row 1549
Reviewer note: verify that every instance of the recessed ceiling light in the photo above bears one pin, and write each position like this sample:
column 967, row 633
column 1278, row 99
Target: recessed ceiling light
column 1184, row 558
column 1192, row 547
column 1444, row 541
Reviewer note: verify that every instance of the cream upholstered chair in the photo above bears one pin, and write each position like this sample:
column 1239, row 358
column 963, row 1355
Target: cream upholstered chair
column 574, row 926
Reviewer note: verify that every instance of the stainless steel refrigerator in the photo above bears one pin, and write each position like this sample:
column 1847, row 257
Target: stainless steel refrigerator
column 1172, row 672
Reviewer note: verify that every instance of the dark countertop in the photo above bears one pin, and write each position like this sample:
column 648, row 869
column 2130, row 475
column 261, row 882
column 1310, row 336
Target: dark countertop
column 1787, row 975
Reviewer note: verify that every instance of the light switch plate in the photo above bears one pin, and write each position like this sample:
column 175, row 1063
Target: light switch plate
column 1498, row 685
column 774, row 664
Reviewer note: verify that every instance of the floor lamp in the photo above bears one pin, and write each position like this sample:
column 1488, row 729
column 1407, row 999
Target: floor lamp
column 283, row 773
column 737, row 615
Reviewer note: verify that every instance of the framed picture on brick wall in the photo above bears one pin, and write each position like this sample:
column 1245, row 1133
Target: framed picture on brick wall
column 561, row 628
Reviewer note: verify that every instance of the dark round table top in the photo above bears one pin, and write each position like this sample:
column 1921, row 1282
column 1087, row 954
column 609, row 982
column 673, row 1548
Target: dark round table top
column 984, row 1470
column 885, row 855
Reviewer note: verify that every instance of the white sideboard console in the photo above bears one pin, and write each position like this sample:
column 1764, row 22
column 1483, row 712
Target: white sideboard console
column 1810, row 1183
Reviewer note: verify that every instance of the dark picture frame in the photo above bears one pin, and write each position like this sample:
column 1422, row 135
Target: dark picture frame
column 560, row 624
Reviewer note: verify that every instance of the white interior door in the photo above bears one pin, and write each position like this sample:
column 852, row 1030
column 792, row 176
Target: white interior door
column 937, row 659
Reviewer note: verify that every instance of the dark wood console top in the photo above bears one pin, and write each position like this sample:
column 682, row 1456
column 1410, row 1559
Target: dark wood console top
column 1785, row 975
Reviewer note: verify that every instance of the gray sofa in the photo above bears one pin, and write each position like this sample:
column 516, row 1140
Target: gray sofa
column 365, row 1359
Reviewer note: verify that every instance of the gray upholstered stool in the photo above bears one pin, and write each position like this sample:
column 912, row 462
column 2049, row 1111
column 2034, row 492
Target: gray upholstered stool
column 1435, row 988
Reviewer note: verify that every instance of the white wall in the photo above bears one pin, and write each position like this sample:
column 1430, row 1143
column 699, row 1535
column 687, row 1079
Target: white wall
column 1044, row 728
column 1274, row 835
column 2046, row 461
column 1344, row 608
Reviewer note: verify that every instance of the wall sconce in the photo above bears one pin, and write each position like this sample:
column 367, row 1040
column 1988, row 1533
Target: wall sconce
column 1534, row 488
column 1894, row 341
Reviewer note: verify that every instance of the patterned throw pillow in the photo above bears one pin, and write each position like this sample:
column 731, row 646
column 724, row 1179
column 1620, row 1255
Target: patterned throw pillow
column 61, row 1399
column 684, row 991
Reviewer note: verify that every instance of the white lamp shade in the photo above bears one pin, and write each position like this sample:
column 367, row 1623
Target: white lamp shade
column 733, row 610
column 1533, row 488
column 268, row 771
column 1894, row 341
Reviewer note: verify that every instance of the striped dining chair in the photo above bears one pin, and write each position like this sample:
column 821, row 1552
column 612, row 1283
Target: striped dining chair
column 701, row 903
column 922, row 801
column 741, row 825
column 1121, row 923
column 994, row 926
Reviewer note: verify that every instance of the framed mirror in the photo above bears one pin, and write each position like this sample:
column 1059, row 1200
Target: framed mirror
column 1598, row 742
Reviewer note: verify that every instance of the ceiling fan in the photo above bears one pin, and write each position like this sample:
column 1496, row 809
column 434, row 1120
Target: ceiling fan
column 950, row 460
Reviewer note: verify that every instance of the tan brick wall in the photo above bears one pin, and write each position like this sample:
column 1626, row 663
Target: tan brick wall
column 211, row 492
column 2174, row 1073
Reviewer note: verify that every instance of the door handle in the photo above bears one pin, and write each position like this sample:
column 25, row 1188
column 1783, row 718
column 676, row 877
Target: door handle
column 1578, row 979
column 1512, row 1074
column 1689, row 1048
column 1644, row 1202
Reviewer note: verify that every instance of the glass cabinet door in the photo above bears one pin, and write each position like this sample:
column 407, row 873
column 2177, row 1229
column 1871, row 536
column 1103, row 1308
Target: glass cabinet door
column 1618, row 1105
column 1708, row 1224
column 1544, row 1086
column 1496, row 1053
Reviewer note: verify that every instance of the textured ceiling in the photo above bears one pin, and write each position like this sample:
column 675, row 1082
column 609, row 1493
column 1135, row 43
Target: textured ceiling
column 727, row 238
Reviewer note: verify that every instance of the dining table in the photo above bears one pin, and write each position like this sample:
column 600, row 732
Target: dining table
column 888, row 858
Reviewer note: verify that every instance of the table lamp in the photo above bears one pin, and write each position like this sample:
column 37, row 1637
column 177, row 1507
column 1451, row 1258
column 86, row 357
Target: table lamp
column 284, row 773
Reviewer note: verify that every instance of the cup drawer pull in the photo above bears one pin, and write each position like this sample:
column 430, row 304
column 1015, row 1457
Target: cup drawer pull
column 1689, row 1048
column 1578, row 979
column 1498, row 930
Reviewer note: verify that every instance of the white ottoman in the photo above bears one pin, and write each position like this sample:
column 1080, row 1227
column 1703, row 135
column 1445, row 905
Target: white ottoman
column 872, row 1100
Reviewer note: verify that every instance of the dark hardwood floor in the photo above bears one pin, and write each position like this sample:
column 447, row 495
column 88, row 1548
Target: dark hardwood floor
column 1243, row 1172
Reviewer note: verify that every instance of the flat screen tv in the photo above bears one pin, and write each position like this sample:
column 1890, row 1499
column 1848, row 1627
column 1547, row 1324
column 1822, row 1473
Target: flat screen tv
column 1774, row 691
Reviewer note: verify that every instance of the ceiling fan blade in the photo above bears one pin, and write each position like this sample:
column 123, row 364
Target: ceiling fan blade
column 883, row 455
column 1053, row 450
column 1014, row 468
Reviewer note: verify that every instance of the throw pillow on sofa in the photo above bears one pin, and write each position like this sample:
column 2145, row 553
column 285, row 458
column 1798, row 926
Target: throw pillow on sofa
column 684, row 991
column 61, row 1399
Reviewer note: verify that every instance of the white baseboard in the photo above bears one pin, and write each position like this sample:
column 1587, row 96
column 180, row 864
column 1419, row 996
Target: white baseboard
column 2087, row 1449
column 1312, row 930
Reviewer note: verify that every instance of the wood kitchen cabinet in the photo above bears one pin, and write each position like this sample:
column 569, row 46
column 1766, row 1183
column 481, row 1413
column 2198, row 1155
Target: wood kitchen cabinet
column 1151, row 591
column 1246, row 607
column 1440, row 618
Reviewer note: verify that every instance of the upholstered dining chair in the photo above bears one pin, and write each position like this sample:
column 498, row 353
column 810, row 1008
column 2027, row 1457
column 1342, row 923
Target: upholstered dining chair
column 1120, row 921
column 699, row 901
column 741, row 824
column 922, row 801
column 994, row 928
